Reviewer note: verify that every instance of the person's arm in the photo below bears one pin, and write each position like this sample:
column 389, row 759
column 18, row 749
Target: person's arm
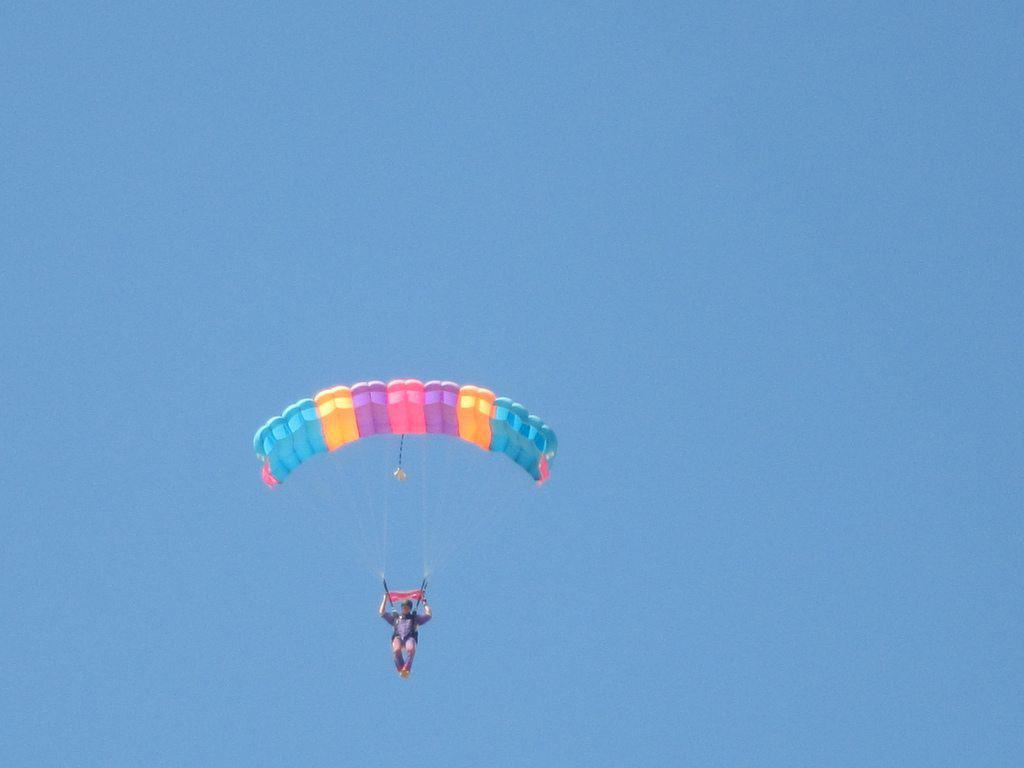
column 383, row 615
column 427, row 613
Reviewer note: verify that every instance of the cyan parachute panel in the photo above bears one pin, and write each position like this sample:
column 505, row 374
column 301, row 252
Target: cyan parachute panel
column 550, row 444
column 516, row 433
column 291, row 438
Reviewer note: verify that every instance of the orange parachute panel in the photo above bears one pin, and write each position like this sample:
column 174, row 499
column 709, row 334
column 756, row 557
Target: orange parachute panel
column 337, row 416
column 476, row 406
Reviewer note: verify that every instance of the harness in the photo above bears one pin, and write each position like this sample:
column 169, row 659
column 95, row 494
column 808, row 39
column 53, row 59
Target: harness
column 413, row 631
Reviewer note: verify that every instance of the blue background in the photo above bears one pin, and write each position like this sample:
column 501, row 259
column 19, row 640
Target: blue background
column 758, row 264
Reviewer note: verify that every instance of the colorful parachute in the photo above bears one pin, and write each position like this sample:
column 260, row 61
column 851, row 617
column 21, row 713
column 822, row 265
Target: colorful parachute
column 341, row 415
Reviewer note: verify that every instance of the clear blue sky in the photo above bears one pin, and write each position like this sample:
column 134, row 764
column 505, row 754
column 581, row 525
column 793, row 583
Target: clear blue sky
column 759, row 265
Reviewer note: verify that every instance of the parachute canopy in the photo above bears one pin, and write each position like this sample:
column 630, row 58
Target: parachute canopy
column 342, row 415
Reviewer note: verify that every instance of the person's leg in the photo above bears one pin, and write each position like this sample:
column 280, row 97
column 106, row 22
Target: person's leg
column 396, row 647
column 410, row 652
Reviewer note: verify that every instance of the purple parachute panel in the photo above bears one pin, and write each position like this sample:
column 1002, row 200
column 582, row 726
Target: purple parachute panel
column 450, row 398
column 370, row 403
column 432, row 407
column 439, row 402
column 361, row 406
column 379, row 407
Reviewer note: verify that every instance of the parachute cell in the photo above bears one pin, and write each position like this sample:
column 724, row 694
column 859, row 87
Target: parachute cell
column 337, row 416
column 440, row 399
column 475, row 409
column 405, row 407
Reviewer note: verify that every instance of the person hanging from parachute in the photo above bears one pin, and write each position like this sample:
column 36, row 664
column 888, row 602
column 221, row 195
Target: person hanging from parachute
column 344, row 414
column 405, row 624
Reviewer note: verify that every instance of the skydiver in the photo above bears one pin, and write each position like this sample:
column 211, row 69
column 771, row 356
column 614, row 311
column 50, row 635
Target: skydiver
column 405, row 634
